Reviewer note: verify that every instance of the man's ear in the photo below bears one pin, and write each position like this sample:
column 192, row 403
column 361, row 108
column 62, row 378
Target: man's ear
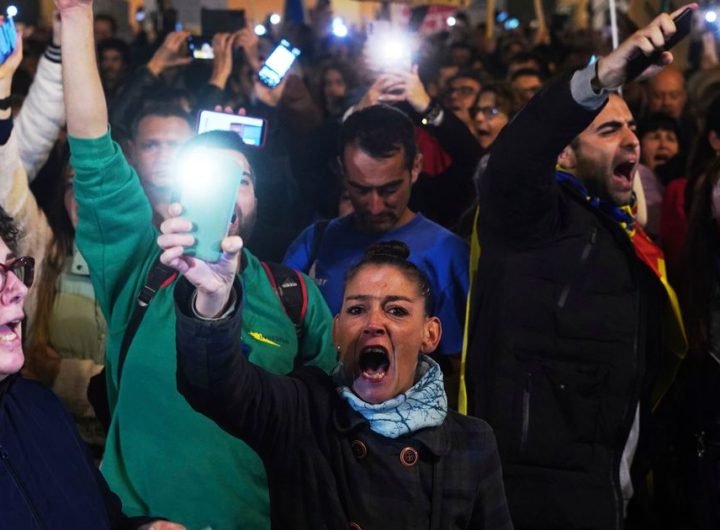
column 432, row 334
column 567, row 158
column 417, row 168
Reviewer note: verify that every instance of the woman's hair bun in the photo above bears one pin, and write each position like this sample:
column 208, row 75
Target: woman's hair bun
column 396, row 250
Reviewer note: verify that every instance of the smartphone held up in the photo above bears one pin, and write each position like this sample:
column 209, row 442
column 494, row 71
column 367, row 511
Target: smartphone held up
column 278, row 64
column 8, row 34
column 208, row 183
column 251, row 130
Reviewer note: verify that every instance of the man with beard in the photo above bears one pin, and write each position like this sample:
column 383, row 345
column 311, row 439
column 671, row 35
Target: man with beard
column 381, row 162
column 574, row 334
column 161, row 456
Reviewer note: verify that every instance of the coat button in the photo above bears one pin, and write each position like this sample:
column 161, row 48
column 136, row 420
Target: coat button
column 360, row 451
column 409, row 456
column 355, row 526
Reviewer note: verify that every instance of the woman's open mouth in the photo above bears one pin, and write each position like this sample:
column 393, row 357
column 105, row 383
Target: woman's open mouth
column 374, row 363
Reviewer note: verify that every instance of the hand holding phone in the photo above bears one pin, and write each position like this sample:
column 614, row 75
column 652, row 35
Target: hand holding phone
column 208, row 185
column 8, row 38
column 639, row 62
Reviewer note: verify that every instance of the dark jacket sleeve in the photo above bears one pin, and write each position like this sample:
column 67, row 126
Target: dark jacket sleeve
column 457, row 141
column 216, row 378
column 519, row 196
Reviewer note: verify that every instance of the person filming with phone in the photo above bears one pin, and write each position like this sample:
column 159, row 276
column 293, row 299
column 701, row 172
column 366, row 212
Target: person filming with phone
column 161, row 456
column 376, row 437
column 575, row 334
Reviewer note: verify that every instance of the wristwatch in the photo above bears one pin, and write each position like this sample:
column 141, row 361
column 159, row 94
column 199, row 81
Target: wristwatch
column 433, row 114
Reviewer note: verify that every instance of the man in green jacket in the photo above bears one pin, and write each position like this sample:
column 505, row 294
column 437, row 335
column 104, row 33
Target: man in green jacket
column 161, row 456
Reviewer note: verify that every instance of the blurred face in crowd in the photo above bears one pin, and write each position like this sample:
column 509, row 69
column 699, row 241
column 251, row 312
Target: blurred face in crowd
column 112, row 65
column 12, row 296
column 334, row 87
column 102, row 29
column 245, row 214
column 446, row 72
column 657, row 147
column 606, row 154
column 666, row 92
column 461, row 94
column 379, row 188
column 153, row 149
column 489, row 119
column 525, row 87
column 381, row 330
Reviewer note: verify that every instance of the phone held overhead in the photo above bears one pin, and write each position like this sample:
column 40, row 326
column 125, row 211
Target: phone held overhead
column 251, row 130
column 8, row 34
column 278, row 64
column 208, row 184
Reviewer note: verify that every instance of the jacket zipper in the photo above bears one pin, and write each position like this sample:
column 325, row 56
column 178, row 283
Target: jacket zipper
column 21, row 488
column 587, row 250
column 630, row 411
column 527, row 389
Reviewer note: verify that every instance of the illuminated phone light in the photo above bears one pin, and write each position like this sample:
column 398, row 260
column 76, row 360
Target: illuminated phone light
column 12, row 11
column 451, row 21
column 339, row 29
column 275, row 19
column 711, row 16
column 260, row 30
column 512, row 23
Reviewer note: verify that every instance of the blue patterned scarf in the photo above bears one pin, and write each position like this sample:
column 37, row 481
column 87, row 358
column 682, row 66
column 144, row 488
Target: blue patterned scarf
column 623, row 215
column 422, row 405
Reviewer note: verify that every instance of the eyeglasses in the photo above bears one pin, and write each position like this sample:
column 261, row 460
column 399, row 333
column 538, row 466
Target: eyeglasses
column 489, row 112
column 23, row 268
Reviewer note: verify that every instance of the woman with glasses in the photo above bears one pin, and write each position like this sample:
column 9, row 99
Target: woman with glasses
column 492, row 110
column 65, row 344
column 47, row 479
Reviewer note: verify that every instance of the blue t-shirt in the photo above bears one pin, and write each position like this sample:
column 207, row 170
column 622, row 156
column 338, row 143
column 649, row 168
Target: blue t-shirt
column 439, row 253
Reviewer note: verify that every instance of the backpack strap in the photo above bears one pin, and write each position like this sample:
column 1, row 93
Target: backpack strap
column 289, row 286
column 159, row 276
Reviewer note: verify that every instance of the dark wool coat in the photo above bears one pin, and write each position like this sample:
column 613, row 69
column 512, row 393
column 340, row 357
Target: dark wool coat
column 326, row 469
column 47, row 479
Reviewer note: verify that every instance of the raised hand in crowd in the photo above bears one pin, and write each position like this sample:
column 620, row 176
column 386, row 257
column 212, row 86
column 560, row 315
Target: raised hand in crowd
column 222, row 45
column 170, row 54
column 611, row 70
column 213, row 280
column 248, row 41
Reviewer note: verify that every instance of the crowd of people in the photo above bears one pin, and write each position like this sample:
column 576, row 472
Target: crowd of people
column 476, row 290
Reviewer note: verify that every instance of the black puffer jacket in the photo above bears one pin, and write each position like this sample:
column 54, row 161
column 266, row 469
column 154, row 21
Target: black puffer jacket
column 566, row 332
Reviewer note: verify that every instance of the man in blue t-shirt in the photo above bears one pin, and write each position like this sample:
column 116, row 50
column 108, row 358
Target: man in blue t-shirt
column 381, row 162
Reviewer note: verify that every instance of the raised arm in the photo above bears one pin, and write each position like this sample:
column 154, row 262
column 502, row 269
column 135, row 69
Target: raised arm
column 42, row 115
column 85, row 103
column 518, row 193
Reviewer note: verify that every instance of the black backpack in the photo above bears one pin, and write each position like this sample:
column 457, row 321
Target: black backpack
column 288, row 284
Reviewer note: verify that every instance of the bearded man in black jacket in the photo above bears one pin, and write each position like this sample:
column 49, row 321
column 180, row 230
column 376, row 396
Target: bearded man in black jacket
column 574, row 333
